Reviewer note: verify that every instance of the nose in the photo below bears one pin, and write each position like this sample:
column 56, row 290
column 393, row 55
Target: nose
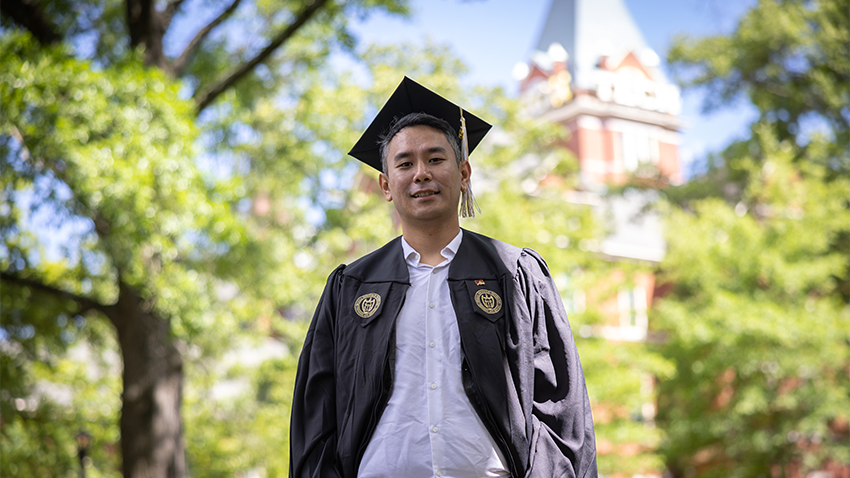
column 422, row 172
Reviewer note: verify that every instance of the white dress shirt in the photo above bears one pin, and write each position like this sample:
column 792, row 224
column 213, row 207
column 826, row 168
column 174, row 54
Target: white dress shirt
column 429, row 428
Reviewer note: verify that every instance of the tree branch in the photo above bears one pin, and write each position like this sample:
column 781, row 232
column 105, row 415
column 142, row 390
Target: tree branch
column 170, row 10
column 85, row 303
column 139, row 14
column 205, row 97
column 179, row 65
column 27, row 14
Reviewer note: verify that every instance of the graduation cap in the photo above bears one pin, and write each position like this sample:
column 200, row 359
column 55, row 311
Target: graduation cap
column 411, row 97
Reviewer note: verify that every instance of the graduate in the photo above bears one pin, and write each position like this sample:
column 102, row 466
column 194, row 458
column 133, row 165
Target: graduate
column 445, row 353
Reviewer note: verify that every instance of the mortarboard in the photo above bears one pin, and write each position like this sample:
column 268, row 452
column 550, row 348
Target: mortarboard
column 411, row 97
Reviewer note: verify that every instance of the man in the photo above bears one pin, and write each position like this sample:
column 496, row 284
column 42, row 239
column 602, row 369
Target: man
column 444, row 353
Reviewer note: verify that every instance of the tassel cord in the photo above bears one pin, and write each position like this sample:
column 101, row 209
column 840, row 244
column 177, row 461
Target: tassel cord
column 468, row 204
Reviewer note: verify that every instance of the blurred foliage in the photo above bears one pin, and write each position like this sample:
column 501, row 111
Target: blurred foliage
column 789, row 59
column 238, row 413
column 60, row 397
column 758, row 328
column 103, row 159
column 758, row 320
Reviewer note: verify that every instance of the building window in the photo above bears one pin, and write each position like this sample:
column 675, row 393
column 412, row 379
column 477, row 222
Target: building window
column 638, row 148
column 632, row 306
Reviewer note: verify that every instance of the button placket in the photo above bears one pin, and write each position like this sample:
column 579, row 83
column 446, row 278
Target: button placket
column 431, row 321
column 430, row 359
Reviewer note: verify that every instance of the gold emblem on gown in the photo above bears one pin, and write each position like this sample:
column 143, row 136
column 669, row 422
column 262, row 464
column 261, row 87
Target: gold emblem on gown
column 367, row 304
column 489, row 301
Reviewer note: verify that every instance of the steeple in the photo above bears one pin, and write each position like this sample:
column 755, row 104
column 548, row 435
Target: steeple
column 594, row 73
column 592, row 29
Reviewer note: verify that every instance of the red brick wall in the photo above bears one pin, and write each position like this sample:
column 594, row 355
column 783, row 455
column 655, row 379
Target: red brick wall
column 668, row 161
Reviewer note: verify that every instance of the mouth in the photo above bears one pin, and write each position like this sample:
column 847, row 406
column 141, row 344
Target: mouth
column 422, row 194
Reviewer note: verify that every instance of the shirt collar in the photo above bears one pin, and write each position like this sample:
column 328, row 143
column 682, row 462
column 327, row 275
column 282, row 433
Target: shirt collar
column 412, row 257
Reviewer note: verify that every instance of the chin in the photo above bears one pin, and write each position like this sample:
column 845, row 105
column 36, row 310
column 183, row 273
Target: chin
column 433, row 216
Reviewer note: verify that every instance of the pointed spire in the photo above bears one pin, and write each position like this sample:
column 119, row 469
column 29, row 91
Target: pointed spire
column 589, row 30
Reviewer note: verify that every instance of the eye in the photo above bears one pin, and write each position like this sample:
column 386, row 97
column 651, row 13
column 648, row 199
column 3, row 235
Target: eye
column 437, row 159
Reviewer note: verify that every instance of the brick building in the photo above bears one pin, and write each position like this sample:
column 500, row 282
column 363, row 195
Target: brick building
column 593, row 72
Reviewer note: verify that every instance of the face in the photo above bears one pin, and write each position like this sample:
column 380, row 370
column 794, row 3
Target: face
column 423, row 177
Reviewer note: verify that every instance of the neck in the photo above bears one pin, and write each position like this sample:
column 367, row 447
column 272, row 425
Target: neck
column 430, row 241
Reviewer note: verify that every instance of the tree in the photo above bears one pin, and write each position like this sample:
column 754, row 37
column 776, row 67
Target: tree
column 758, row 327
column 758, row 316
column 789, row 59
column 112, row 153
column 105, row 149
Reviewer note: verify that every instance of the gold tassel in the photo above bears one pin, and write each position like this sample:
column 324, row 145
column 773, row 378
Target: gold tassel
column 468, row 204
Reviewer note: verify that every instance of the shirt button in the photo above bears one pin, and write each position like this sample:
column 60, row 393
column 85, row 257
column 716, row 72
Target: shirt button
column 435, row 429
column 432, row 345
column 433, row 386
column 439, row 473
column 431, row 305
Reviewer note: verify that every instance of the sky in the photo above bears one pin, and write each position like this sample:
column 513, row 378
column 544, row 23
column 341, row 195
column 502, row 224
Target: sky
column 491, row 36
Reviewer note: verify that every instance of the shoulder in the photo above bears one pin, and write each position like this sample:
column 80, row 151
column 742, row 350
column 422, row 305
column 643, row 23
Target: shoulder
column 533, row 263
column 518, row 260
column 382, row 265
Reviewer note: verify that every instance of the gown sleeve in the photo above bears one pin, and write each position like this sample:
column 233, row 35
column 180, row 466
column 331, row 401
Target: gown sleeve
column 563, row 443
column 313, row 425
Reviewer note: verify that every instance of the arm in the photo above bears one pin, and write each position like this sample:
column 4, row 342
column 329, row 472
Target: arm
column 563, row 441
column 313, row 433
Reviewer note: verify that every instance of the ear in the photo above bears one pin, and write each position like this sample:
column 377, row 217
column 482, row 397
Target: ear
column 465, row 174
column 384, row 182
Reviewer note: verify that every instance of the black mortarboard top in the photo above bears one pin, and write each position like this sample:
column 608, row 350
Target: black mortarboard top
column 411, row 97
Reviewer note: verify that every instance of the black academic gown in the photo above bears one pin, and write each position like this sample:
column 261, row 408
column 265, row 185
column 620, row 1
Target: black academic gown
column 520, row 367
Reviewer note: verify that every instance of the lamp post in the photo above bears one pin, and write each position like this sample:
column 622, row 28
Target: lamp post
column 83, row 440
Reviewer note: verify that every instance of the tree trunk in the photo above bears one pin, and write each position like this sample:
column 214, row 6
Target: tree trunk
column 147, row 27
column 151, row 425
